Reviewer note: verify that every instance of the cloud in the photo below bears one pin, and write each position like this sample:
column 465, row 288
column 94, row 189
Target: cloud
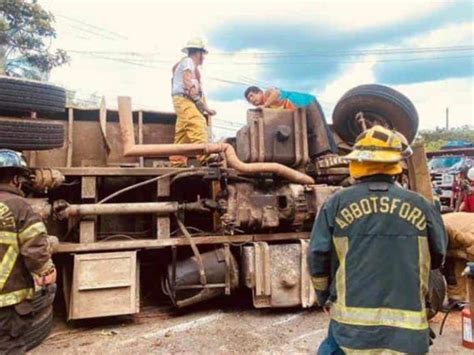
column 432, row 98
column 434, row 66
column 305, row 71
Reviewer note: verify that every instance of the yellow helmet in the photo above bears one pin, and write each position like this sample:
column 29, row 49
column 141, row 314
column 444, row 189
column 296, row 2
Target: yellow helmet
column 380, row 145
column 195, row 43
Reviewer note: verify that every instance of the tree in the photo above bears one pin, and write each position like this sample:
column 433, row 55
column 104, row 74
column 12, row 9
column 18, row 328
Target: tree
column 436, row 139
column 26, row 32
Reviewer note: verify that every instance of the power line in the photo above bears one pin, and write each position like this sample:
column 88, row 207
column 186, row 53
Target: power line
column 98, row 28
column 325, row 53
column 84, row 30
column 142, row 61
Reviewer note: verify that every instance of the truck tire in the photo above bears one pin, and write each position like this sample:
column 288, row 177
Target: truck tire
column 40, row 328
column 30, row 134
column 30, row 96
column 380, row 105
column 437, row 292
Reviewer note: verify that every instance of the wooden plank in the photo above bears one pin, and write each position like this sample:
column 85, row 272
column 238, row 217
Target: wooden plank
column 103, row 125
column 87, row 231
column 89, row 188
column 163, row 187
column 163, row 243
column 163, row 227
column 140, row 136
column 418, row 173
column 92, row 285
column 70, row 129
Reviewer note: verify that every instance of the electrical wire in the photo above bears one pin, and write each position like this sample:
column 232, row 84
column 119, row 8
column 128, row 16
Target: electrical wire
column 143, row 183
column 324, row 54
column 83, row 23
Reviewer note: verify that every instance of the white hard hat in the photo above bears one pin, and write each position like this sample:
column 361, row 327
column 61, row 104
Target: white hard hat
column 195, row 43
column 470, row 174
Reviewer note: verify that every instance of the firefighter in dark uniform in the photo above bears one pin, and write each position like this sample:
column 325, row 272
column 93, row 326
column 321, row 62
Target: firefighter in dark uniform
column 26, row 268
column 371, row 251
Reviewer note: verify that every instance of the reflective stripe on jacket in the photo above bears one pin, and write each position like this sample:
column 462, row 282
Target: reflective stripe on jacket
column 374, row 244
column 24, row 248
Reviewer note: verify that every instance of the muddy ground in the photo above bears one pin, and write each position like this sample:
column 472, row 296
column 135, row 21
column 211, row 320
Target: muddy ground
column 218, row 328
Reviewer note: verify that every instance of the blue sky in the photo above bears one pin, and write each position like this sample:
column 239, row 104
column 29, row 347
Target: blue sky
column 306, row 35
column 315, row 72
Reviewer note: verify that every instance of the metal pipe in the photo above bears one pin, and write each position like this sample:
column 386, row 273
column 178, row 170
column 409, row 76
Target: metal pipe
column 130, row 149
column 160, row 208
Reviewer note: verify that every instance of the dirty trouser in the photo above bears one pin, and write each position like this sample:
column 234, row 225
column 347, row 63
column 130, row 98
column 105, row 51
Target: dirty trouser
column 12, row 327
column 458, row 291
column 320, row 137
column 190, row 127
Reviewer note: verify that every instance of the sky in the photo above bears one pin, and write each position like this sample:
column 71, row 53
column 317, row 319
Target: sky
column 422, row 48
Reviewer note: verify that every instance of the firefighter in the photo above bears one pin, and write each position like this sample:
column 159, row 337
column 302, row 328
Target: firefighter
column 189, row 101
column 371, row 250
column 321, row 142
column 25, row 256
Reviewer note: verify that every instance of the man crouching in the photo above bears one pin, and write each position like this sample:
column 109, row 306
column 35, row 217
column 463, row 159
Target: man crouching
column 25, row 259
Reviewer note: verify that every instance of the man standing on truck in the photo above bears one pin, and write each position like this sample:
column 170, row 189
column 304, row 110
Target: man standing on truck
column 189, row 101
column 25, row 256
column 320, row 138
column 371, row 251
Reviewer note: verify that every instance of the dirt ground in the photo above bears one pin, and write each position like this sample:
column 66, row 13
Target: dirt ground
column 218, row 328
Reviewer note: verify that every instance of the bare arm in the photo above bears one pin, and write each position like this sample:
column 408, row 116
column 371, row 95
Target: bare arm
column 190, row 83
column 272, row 95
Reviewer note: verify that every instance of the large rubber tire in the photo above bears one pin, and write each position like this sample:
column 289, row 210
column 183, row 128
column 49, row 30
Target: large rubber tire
column 40, row 328
column 437, row 292
column 30, row 134
column 380, row 105
column 30, row 96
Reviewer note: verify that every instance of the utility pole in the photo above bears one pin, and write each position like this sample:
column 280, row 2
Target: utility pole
column 447, row 118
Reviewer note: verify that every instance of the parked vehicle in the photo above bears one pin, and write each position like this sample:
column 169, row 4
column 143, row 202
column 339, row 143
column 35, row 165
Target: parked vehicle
column 445, row 166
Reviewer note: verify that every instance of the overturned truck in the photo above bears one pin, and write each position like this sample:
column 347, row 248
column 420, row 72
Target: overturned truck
column 127, row 221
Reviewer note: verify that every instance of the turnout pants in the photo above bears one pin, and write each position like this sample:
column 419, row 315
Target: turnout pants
column 12, row 327
column 320, row 138
column 191, row 127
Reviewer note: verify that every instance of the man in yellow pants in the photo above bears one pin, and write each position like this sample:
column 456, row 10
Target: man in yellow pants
column 189, row 102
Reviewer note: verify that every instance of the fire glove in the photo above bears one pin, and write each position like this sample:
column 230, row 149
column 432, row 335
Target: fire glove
column 322, row 297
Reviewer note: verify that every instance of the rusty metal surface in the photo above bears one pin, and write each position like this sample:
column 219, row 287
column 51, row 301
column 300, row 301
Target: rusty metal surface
column 278, row 275
column 250, row 207
column 85, row 144
column 95, row 293
column 161, row 208
column 182, row 281
column 68, row 247
column 45, row 179
column 131, row 149
column 274, row 136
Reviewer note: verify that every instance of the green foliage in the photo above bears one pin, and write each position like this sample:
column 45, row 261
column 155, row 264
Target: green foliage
column 26, row 32
column 434, row 140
